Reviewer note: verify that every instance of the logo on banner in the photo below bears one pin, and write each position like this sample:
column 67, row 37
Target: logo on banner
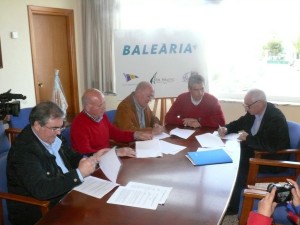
column 159, row 49
column 130, row 77
column 161, row 80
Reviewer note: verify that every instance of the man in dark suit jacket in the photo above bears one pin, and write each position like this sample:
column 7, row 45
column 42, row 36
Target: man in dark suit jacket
column 263, row 127
column 40, row 165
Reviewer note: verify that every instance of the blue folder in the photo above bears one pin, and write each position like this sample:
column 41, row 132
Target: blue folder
column 209, row 157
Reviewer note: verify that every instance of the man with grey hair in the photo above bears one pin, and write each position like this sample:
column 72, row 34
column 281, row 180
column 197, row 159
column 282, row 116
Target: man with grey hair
column 40, row 165
column 134, row 113
column 263, row 127
column 196, row 108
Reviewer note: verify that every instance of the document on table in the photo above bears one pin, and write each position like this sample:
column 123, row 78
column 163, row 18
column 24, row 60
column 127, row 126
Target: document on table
column 95, row 187
column 164, row 192
column 169, row 148
column 140, row 195
column 146, row 149
column 183, row 133
column 110, row 165
column 209, row 140
column 161, row 135
column 232, row 136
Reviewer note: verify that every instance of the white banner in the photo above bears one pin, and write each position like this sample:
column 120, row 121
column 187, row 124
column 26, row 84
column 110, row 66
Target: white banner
column 163, row 57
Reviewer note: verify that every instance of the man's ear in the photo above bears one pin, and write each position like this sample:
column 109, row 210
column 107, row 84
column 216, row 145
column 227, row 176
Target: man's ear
column 37, row 126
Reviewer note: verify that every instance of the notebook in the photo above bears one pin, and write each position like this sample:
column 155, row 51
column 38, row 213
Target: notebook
column 209, row 157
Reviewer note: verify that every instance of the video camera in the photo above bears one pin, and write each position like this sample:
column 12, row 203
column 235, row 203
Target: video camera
column 283, row 191
column 9, row 108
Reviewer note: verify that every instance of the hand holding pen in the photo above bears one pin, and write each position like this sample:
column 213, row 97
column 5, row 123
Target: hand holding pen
column 222, row 131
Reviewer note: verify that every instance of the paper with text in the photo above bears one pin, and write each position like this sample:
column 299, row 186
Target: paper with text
column 110, row 165
column 183, row 133
column 164, row 192
column 135, row 198
column 95, row 187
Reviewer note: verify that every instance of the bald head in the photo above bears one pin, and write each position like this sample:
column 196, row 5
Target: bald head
column 93, row 102
column 144, row 92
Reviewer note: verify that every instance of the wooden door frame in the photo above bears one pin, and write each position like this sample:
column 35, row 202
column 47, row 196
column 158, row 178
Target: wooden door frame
column 69, row 14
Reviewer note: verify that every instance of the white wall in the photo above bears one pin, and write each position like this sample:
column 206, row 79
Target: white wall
column 17, row 73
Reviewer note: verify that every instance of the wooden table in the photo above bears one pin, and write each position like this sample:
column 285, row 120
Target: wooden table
column 200, row 195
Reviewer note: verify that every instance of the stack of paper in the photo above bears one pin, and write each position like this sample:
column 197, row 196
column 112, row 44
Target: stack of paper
column 140, row 195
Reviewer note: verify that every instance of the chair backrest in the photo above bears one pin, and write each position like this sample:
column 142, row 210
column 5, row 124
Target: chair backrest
column 3, row 184
column 67, row 135
column 111, row 114
column 22, row 119
column 294, row 133
column 4, row 142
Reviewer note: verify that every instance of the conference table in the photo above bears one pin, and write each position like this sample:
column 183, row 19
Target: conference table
column 199, row 195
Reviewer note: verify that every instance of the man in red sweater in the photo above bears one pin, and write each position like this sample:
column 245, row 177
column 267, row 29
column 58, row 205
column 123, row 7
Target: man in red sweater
column 196, row 108
column 91, row 129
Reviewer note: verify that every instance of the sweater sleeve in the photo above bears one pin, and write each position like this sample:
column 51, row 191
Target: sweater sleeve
column 258, row 219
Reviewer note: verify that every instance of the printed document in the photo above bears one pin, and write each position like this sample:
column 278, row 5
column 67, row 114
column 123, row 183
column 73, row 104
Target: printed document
column 95, row 187
column 140, row 195
column 161, row 135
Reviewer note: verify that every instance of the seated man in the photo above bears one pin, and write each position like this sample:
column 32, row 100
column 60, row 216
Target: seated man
column 263, row 127
column 91, row 129
column 133, row 113
column 41, row 166
column 196, row 108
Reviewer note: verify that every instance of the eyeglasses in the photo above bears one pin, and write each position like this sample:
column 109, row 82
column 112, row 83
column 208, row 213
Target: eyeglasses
column 55, row 129
column 249, row 106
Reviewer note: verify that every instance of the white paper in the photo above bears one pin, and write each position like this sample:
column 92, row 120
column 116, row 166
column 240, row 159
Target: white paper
column 209, row 140
column 146, row 149
column 140, row 195
column 161, row 136
column 95, row 187
column 169, row 148
column 110, row 165
column 231, row 136
column 164, row 192
column 183, row 133
column 135, row 198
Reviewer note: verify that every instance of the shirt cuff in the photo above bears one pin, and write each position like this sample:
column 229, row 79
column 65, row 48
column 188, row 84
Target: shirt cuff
column 79, row 175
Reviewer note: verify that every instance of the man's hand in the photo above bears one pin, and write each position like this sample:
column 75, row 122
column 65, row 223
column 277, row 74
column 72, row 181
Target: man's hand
column 97, row 155
column 243, row 136
column 266, row 206
column 222, row 131
column 125, row 151
column 87, row 166
column 191, row 122
column 157, row 129
column 295, row 192
column 143, row 136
